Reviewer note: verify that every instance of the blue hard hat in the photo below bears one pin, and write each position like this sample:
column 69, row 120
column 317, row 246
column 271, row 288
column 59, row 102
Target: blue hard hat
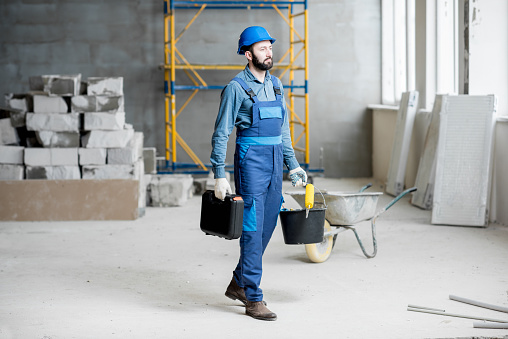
column 251, row 35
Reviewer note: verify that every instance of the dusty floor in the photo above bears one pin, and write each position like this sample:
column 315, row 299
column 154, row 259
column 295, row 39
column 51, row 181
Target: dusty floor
column 161, row 277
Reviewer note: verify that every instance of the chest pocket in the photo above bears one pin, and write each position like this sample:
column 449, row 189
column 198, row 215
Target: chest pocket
column 270, row 113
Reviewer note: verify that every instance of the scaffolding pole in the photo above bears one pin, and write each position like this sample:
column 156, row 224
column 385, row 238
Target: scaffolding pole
column 174, row 60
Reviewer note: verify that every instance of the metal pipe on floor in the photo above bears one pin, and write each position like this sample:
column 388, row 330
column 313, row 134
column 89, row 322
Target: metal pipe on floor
column 483, row 324
column 456, row 315
column 479, row 303
column 425, row 308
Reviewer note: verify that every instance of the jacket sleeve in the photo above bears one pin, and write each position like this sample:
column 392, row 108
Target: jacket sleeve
column 288, row 152
column 224, row 124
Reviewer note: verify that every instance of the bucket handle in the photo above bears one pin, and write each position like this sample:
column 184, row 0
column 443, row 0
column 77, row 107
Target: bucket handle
column 321, row 203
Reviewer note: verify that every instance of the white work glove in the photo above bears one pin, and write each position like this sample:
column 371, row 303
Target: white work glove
column 298, row 177
column 222, row 188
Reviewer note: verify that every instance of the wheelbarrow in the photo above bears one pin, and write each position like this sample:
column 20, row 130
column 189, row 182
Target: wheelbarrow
column 343, row 211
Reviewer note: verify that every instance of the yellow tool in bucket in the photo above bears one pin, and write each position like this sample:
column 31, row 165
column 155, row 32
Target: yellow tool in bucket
column 309, row 198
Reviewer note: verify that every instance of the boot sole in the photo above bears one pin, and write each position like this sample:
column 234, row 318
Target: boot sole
column 261, row 318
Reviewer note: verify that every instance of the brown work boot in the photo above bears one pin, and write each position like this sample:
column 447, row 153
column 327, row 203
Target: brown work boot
column 235, row 292
column 258, row 310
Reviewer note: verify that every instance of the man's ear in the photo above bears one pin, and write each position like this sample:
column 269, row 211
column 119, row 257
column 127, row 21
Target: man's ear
column 248, row 55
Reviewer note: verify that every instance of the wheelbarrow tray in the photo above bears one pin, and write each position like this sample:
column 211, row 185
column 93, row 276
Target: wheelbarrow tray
column 344, row 208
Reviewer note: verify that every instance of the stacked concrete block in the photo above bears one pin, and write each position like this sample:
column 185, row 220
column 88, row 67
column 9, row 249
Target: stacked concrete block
column 169, row 190
column 53, row 172
column 150, row 161
column 80, row 132
column 55, row 122
column 11, row 163
column 58, row 139
column 61, row 85
column 44, row 103
column 101, row 172
column 12, row 155
column 107, row 139
column 8, row 134
column 17, row 105
column 18, row 102
column 51, row 157
column 52, row 163
column 129, row 154
column 97, row 103
column 105, row 86
column 92, row 156
column 103, row 121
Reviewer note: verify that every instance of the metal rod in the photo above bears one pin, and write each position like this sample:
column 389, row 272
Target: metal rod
column 456, row 315
column 483, row 324
column 479, row 304
column 365, row 187
column 425, row 308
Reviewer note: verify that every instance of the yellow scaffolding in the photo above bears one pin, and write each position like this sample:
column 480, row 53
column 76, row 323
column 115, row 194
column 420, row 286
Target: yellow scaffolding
column 174, row 60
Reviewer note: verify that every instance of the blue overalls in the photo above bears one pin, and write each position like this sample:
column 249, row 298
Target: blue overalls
column 258, row 179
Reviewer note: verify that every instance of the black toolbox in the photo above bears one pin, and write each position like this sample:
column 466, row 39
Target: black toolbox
column 222, row 218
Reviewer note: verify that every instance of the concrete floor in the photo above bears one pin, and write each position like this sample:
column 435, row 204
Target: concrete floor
column 161, row 277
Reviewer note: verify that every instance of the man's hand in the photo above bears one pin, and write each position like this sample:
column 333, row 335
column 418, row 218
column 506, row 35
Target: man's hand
column 298, row 177
column 222, row 188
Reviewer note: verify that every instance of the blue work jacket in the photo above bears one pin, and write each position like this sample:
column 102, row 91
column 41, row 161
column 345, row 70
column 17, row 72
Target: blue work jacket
column 236, row 111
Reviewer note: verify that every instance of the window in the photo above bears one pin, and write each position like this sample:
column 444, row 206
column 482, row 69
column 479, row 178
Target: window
column 419, row 49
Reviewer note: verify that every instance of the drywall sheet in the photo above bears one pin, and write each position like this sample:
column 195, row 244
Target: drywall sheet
column 58, row 200
column 463, row 167
column 401, row 142
column 425, row 176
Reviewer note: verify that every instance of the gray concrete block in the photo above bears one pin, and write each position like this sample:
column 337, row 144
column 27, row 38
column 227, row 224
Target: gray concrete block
column 53, row 172
column 36, row 83
column 8, row 134
column 18, row 119
column 112, row 104
column 49, row 104
column 170, row 190
column 199, row 186
column 149, row 158
column 12, row 172
column 58, row 139
column 101, row 172
column 17, row 101
column 104, row 121
column 12, row 155
column 17, row 116
column 56, row 122
column 51, row 157
column 107, row 139
column 97, row 103
column 63, row 85
column 129, row 154
column 92, row 156
column 105, row 86
column 139, row 172
column 83, row 103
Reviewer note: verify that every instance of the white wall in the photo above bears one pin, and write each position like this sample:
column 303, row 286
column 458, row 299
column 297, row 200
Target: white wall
column 488, row 50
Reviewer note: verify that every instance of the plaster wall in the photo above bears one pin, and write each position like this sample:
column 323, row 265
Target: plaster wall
column 125, row 38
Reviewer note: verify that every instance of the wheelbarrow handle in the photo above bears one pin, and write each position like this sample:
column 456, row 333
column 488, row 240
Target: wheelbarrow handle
column 365, row 187
column 397, row 198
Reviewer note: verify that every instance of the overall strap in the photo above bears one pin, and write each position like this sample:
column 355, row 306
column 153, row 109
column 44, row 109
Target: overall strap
column 276, row 88
column 247, row 89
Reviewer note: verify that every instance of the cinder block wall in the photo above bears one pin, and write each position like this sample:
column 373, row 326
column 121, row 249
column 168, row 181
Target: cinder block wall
column 125, row 38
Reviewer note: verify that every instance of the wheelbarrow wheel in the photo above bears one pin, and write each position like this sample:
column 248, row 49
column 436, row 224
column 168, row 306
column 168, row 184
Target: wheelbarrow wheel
column 321, row 251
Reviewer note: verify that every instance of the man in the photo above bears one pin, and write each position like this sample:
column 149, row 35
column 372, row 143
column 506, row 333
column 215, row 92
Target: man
column 253, row 102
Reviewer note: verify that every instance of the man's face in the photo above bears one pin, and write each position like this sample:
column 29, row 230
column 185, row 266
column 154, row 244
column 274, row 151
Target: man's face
column 262, row 55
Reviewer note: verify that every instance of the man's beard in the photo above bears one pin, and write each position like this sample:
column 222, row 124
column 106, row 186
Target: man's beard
column 262, row 66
